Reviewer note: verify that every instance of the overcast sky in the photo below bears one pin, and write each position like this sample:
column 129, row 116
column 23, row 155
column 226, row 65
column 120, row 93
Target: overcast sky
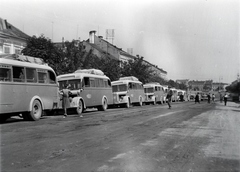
column 190, row 39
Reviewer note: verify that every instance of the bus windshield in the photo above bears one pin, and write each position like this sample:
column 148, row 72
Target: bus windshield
column 119, row 88
column 75, row 84
column 149, row 90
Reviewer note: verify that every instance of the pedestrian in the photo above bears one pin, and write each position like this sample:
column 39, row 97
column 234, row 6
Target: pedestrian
column 213, row 98
column 209, row 98
column 197, row 98
column 65, row 92
column 221, row 97
column 225, row 99
column 169, row 98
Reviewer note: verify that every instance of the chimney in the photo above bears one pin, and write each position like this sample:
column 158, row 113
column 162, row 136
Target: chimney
column 91, row 36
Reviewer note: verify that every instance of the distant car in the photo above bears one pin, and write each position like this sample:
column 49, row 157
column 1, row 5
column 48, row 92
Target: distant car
column 192, row 96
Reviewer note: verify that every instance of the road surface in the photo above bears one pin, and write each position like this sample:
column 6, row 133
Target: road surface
column 187, row 138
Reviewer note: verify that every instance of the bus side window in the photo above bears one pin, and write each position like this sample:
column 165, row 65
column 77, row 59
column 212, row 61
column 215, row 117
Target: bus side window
column 18, row 74
column 5, row 74
column 101, row 83
column 42, row 77
column 86, row 82
column 52, row 77
column 105, row 83
column 109, row 83
column 130, row 85
column 92, row 82
column 31, row 75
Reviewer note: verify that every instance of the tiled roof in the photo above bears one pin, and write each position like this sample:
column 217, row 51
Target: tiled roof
column 8, row 29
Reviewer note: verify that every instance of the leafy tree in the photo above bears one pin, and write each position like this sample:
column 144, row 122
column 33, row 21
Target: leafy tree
column 137, row 68
column 42, row 47
column 234, row 87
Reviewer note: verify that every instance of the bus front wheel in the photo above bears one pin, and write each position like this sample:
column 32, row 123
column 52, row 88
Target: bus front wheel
column 36, row 112
column 80, row 107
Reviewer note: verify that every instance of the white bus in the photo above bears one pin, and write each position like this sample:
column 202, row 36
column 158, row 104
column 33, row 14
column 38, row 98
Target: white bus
column 154, row 93
column 127, row 91
column 174, row 94
column 90, row 88
column 165, row 91
column 28, row 87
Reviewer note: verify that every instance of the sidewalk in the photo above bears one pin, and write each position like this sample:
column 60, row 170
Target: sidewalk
column 230, row 105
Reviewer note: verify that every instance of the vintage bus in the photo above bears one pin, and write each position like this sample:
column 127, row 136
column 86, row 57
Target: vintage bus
column 174, row 94
column 90, row 88
column 165, row 91
column 182, row 95
column 128, row 90
column 154, row 93
column 28, row 87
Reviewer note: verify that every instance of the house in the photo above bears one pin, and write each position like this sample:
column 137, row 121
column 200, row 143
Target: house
column 12, row 40
column 200, row 85
column 99, row 47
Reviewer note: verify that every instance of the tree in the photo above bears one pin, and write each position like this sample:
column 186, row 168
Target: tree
column 234, row 87
column 137, row 68
column 42, row 47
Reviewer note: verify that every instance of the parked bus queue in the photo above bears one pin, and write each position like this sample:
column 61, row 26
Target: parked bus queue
column 31, row 89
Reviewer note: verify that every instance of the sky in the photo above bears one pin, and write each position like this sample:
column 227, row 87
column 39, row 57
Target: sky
column 189, row 39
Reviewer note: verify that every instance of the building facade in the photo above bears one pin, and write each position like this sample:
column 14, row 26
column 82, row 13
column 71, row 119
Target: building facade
column 99, row 47
column 12, row 40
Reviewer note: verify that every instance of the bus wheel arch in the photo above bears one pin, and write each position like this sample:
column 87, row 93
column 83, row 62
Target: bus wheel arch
column 80, row 106
column 35, row 110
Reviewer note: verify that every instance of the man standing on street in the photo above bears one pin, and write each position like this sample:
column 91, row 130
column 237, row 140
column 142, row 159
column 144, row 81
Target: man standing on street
column 197, row 98
column 225, row 99
column 65, row 92
column 209, row 98
column 169, row 98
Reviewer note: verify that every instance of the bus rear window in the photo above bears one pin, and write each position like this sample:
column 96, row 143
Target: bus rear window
column 149, row 90
column 119, row 88
column 5, row 74
column 75, row 84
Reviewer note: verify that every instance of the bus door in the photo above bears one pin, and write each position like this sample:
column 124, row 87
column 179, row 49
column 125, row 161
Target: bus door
column 6, row 100
column 19, row 90
column 88, row 91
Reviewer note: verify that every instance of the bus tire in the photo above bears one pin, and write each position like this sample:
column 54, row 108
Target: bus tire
column 140, row 101
column 104, row 105
column 80, row 107
column 37, row 111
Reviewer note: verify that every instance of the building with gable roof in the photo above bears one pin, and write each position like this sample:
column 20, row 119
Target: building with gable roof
column 99, row 47
column 12, row 40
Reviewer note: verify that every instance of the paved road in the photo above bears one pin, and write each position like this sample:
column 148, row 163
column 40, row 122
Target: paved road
column 189, row 137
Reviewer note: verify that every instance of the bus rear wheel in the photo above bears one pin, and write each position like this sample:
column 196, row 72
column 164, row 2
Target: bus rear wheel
column 36, row 112
column 104, row 105
column 80, row 107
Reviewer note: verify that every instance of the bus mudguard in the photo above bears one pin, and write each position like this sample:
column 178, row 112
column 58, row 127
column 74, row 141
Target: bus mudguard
column 31, row 102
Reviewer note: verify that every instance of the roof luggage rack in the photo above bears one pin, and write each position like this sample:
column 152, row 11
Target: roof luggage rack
column 23, row 58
